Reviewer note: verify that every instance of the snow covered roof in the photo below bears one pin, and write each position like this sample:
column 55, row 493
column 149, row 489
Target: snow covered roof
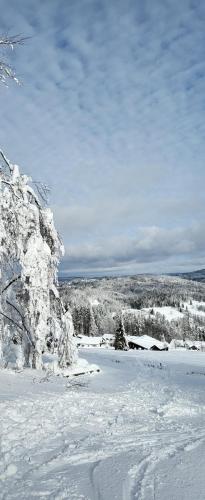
column 83, row 340
column 146, row 342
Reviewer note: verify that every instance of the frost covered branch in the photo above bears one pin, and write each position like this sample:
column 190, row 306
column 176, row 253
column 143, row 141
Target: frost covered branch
column 43, row 191
column 9, row 42
column 6, row 161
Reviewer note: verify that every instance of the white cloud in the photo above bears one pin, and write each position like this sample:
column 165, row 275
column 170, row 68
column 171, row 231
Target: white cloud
column 151, row 246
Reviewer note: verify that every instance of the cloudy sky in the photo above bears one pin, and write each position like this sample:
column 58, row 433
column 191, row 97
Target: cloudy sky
column 111, row 115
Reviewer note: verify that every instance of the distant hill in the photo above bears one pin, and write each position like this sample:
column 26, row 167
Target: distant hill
column 198, row 275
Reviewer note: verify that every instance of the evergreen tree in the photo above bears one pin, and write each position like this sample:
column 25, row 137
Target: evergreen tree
column 120, row 342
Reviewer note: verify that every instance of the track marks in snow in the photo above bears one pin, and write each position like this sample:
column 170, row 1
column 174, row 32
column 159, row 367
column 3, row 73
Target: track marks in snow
column 94, row 482
column 46, row 440
column 143, row 476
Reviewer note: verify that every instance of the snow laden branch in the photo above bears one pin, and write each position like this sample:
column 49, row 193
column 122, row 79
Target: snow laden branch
column 32, row 317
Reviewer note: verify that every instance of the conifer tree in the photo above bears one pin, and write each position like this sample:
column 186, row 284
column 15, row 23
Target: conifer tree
column 120, row 342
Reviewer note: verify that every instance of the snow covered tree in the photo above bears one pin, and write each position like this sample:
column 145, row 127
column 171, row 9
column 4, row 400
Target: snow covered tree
column 30, row 307
column 120, row 342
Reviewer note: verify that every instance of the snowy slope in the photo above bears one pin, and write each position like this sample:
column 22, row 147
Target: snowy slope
column 170, row 313
column 134, row 431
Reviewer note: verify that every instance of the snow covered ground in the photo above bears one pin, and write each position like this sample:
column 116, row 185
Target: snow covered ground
column 134, row 431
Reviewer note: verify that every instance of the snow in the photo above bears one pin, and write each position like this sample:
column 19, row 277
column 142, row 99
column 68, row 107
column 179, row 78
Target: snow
column 133, row 431
column 51, row 366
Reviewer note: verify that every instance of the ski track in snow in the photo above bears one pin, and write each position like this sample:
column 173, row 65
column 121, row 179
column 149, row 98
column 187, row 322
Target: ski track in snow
column 103, row 440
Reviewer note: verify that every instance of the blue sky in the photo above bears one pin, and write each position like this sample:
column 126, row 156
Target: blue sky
column 111, row 114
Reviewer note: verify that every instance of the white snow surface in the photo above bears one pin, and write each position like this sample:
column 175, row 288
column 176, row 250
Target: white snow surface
column 135, row 431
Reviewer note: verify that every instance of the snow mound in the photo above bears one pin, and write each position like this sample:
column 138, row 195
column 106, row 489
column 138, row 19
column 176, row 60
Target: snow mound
column 80, row 367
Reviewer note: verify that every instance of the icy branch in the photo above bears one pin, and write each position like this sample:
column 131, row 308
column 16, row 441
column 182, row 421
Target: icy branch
column 9, row 42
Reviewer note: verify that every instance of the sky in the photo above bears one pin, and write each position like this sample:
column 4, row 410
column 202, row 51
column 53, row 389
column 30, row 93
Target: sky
column 110, row 114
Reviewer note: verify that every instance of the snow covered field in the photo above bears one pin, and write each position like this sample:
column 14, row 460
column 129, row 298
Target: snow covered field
column 134, row 431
